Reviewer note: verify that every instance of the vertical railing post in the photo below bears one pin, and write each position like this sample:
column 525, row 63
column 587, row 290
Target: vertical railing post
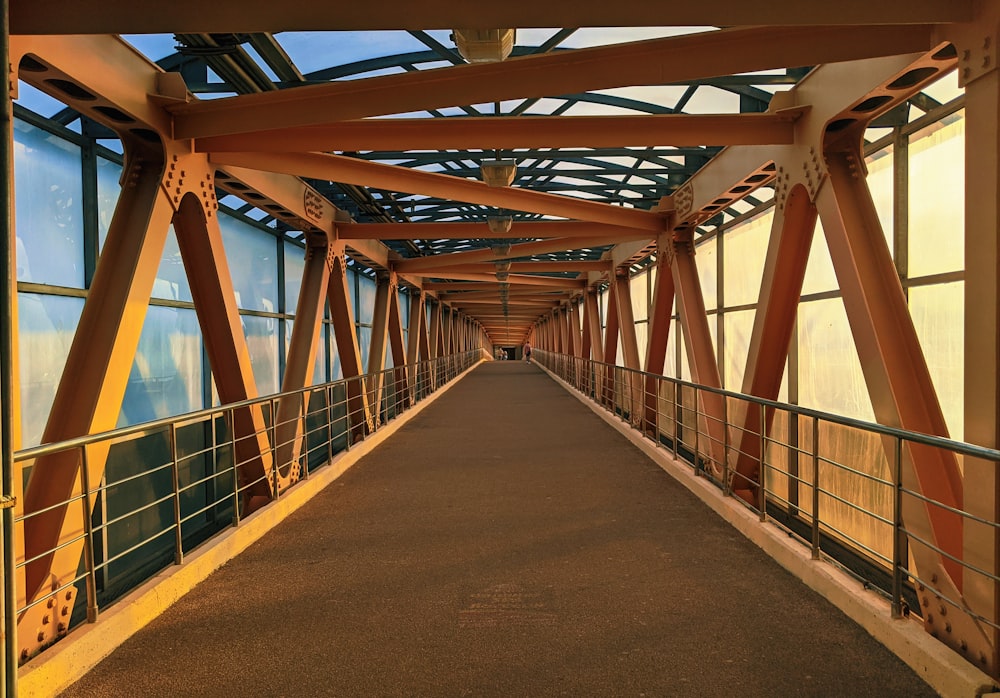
column 726, row 487
column 897, row 530
column 176, row 478
column 677, row 415
column 815, row 493
column 236, row 470
column 347, row 408
column 697, row 432
column 762, row 468
column 88, row 540
column 274, row 448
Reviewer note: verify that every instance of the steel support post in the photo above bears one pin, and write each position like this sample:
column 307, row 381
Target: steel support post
column 659, row 331
column 342, row 314
column 777, row 306
column 611, row 340
column 384, row 290
column 413, row 342
column 8, row 371
column 300, row 361
column 700, row 350
column 901, row 391
column 90, row 392
column 397, row 344
column 981, row 490
column 630, row 345
column 200, row 241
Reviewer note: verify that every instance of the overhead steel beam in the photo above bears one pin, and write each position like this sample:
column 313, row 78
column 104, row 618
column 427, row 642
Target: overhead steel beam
column 456, row 133
column 189, row 16
column 472, row 231
column 337, row 168
column 652, row 62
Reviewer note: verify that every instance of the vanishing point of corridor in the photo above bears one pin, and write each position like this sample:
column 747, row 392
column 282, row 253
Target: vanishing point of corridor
column 506, row 542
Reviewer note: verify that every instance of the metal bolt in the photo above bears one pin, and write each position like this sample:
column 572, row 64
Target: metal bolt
column 934, row 578
column 64, row 612
column 50, row 603
column 965, row 646
column 947, row 627
column 986, row 61
column 943, row 609
column 61, row 627
column 930, row 618
column 45, row 619
column 982, row 658
column 41, row 637
column 24, row 655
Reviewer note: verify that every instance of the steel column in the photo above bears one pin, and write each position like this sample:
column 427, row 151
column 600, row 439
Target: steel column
column 342, row 314
column 777, row 307
column 700, row 350
column 384, row 291
column 660, row 317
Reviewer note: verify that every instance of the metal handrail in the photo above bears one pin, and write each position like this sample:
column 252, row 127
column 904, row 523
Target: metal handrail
column 689, row 443
column 402, row 386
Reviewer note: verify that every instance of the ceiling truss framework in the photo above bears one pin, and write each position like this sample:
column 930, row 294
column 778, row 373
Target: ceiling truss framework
column 385, row 168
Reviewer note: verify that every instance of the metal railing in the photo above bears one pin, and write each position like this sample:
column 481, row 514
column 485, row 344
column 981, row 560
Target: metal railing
column 171, row 484
column 837, row 484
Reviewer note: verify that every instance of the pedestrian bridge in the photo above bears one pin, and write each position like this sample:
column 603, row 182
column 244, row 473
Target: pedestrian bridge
column 504, row 535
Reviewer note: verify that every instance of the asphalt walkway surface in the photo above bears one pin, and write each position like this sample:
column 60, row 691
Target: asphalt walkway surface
column 506, row 542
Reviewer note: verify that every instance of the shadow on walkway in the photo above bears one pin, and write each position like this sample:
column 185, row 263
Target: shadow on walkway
column 506, row 542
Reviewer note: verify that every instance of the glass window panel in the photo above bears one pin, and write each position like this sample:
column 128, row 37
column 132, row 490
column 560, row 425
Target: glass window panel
column 336, row 369
column 830, row 376
column 108, row 190
column 404, row 310
column 880, row 185
column 46, row 325
column 171, row 279
column 48, row 191
column 251, row 254
column 366, row 300
column 738, row 329
column 937, row 199
column 364, row 344
column 295, row 265
column 262, row 343
column 819, row 277
column 707, row 261
column 746, row 248
column 940, row 323
column 638, row 288
column 642, row 340
column 166, row 376
column 670, row 361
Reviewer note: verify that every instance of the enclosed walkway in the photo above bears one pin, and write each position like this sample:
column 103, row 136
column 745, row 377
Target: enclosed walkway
column 506, row 542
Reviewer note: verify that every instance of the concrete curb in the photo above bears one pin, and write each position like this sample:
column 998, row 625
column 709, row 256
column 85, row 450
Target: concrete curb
column 60, row 666
column 944, row 670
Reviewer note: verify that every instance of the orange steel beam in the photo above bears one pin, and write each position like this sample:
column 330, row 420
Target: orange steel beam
column 899, row 382
column 515, row 132
column 777, row 308
column 472, row 231
column 397, row 344
column 417, row 323
column 525, row 249
column 92, row 386
column 567, row 266
column 659, row 331
column 189, row 16
column 385, row 289
column 593, row 326
column 982, row 321
column 300, row 362
column 342, row 314
column 521, row 293
column 611, row 330
column 514, row 279
column 337, row 168
column 652, row 62
column 700, row 350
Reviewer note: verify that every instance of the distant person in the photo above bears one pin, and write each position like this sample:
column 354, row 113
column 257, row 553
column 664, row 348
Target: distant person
column 527, row 351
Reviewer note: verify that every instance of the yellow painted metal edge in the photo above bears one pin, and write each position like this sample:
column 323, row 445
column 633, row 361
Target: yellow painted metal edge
column 65, row 663
column 944, row 670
